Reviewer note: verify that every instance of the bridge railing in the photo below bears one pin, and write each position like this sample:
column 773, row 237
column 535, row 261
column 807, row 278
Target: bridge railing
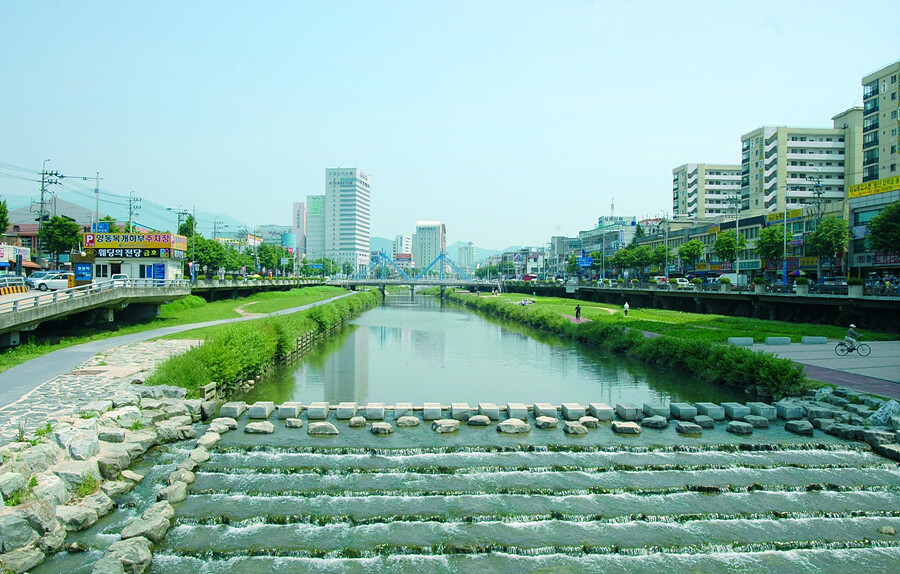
column 50, row 297
column 12, row 281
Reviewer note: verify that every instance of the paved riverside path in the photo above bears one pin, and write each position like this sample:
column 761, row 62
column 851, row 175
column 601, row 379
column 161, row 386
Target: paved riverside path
column 24, row 378
column 879, row 373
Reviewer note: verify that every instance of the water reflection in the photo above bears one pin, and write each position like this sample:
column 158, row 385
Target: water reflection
column 422, row 351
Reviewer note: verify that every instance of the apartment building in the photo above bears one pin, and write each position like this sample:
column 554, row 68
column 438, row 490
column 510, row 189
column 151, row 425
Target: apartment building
column 402, row 244
column 429, row 241
column 347, row 216
column 315, row 227
column 466, row 259
column 881, row 123
column 703, row 190
column 800, row 165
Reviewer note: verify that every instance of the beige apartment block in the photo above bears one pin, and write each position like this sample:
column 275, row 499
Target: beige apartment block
column 881, row 123
column 702, row 190
column 800, row 165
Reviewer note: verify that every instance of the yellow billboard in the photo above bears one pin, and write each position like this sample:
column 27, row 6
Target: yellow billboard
column 135, row 241
column 873, row 187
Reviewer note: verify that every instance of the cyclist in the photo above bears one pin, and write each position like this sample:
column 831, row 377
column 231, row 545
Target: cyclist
column 851, row 337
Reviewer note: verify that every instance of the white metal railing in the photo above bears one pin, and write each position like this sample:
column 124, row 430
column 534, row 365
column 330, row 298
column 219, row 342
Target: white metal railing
column 26, row 302
column 12, row 281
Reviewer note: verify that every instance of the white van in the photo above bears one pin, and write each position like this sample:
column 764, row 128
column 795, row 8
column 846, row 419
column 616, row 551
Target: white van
column 736, row 278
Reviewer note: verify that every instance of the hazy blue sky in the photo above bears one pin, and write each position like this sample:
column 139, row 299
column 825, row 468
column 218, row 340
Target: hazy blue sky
column 509, row 121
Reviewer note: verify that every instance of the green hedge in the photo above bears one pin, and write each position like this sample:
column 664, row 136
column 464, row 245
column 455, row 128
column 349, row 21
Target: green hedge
column 247, row 349
column 710, row 362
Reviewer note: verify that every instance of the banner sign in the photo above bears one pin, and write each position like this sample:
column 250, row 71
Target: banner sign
column 139, row 240
column 136, row 253
column 873, row 187
column 585, row 261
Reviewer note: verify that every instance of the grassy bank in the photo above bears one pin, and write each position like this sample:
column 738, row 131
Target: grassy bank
column 701, row 357
column 191, row 309
column 233, row 353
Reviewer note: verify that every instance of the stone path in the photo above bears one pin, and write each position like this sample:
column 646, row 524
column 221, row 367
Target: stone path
column 95, row 379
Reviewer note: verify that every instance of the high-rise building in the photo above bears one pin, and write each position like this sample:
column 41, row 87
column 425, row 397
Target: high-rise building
column 802, row 165
column 402, row 244
column 702, row 190
column 299, row 228
column 881, row 123
column 315, row 226
column 467, row 257
column 429, row 241
column 347, row 216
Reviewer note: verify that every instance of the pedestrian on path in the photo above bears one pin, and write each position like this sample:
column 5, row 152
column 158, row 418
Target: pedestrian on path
column 577, row 312
column 625, row 306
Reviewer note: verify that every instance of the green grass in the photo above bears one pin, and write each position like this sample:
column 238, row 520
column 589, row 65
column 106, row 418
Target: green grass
column 191, row 309
column 88, row 486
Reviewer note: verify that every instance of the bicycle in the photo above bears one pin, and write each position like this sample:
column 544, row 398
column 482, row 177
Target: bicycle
column 842, row 348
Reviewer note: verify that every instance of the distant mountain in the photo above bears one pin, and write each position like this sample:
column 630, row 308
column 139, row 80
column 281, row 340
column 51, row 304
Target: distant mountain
column 380, row 243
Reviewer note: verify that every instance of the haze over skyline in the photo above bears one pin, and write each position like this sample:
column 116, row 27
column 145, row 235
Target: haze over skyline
column 509, row 121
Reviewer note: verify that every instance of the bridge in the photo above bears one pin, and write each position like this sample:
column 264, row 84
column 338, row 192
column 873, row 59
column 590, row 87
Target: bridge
column 384, row 271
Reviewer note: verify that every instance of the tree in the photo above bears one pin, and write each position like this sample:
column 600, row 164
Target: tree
column 884, row 230
column 210, row 254
column 638, row 233
column 347, row 268
column 621, row 259
column 187, row 227
column 60, row 235
column 4, row 217
column 770, row 244
column 572, row 265
column 727, row 244
column 690, row 252
column 660, row 255
column 640, row 258
column 829, row 240
column 111, row 221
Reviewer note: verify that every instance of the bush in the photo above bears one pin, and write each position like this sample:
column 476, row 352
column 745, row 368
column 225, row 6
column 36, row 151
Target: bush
column 215, row 277
column 697, row 281
column 802, row 281
column 759, row 280
column 855, row 281
column 724, row 280
column 201, row 277
column 652, row 281
column 673, row 281
column 229, row 277
column 620, row 281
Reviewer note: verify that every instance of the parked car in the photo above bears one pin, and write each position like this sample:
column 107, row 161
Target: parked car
column 54, row 282
column 119, row 280
column 32, row 279
column 683, row 283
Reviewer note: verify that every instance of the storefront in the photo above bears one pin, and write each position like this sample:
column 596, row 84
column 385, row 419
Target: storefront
column 138, row 255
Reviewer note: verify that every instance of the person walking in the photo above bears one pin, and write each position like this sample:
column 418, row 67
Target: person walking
column 577, row 313
column 625, row 306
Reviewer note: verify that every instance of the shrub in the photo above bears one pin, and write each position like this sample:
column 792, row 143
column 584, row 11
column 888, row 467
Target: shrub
column 672, row 281
column 652, row 281
column 201, row 277
column 229, row 277
column 697, row 281
column 215, row 277
column 620, row 281
column 88, row 486
column 802, row 281
column 724, row 280
column 855, row 281
column 759, row 280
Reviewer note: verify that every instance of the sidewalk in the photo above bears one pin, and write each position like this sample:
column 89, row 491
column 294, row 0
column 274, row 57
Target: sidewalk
column 879, row 373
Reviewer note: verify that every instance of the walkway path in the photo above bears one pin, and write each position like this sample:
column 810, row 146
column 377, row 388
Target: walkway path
column 64, row 380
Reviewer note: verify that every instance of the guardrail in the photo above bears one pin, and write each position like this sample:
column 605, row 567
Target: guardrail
column 49, row 297
column 12, row 281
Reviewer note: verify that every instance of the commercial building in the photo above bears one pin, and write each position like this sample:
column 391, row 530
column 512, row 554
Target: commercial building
column 138, row 255
column 466, row 258
column 881, row 123
column 402, row 244
column 800, row 165
column 701, row 190
column 347, row 216
column 298, row 224
column 315, row 227
column 429, row 241
column 611, row 234
column 866, row 201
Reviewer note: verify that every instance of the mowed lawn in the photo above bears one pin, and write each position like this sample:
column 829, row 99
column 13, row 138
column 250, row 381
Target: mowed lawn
column 707, row 327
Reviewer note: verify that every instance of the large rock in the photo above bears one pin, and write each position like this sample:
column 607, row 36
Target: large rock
column 40, row 514
column 15, row 532
column 546, row 422
column 655, row 422
column 182, row 475
column 442, row 426
column 76, row 472
column 688, row 428
column 882, row 417
column 53, row 540
column 629, row 427
column 98, row 406
column 227, row 422
column 111, row 434
column 153, row 528
column 125, row 417
column 513, row 426
column 739, row 427
column 478, row 421
column 199, row 454
column 321, row 428
column 21, row 560
column 704, row 421
column 75, row 518
column 175, row 492
column 800, row 427
column 208, row 439
column 574, row 428
column 682, row 411
column 357, row 422
column 10, row 482
column 589, row 422
column 167, row 431
column 50, row 486
column 408, row 421
column 134, row 554
column 146, row 438
column 99, row 502
column 757, row 421
column 83, row 446
column 381, row 428
column 292, row 423
column 262, row 427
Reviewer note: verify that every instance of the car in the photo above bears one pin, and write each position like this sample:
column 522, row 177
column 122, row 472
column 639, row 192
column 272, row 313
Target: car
column 33, row 278
column 54, row 282
column 682, row 283
column 119, row 280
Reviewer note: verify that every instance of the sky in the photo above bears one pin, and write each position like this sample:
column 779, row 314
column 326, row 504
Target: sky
column 511, row 121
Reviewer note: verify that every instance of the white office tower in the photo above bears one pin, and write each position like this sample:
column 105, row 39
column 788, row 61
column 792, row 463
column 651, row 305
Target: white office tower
column 704, row 190
column 315, row 227
column 429, row 241
column 298, row 228
column 402, row 244
column 466, row 258
column 347, row 216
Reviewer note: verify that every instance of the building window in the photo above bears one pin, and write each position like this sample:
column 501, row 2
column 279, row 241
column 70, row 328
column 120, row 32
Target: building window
column 893, row 167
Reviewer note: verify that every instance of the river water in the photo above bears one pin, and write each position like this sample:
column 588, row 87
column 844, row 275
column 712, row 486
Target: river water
column 416, row 350
column 477, row 500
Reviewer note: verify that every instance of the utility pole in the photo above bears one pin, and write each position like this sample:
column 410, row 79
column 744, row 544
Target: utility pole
column 44, row 183
column 96, row 200
column 134, row 205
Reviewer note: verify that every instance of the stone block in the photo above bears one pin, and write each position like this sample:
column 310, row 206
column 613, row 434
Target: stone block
column 382, row 428
column 444, row 426
column 652, row 410
column 228, row 422
column 688, row 428
column 546, row 422
column 628, row 412
column 321, row 428
column 574, row 428
column 75, row 518
column 589, row 422
column 517, row 411
column 741, row 341
column 763, row 410
column 546, row 410
column 233, row 409
column 810, row 340
column 175, row 492
column 11, row 482
column 375, row 412
column 209, row 439
column 15, row 532
column 262, row 427
column 739, row 427
column 478, row 421
column 293, row 423
column 800, row 427
column 460, row 411
column 317, row 411
column 402, row 410
column 432, row 411
column 490, row 410
column 704, row 421
column 788, row 410
column 345, row 411
column 655, row 422
column 111, row 434
column 623, row 427
column 357, row 422
column 822, row 424
column 778, row 340
column 683, row 411
column 513, row 426
column 289, row 410
column 573, row 411
column 601, row 411
column 757, row 421
column 408, row 421
column 736, row 411
column 712, row 410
